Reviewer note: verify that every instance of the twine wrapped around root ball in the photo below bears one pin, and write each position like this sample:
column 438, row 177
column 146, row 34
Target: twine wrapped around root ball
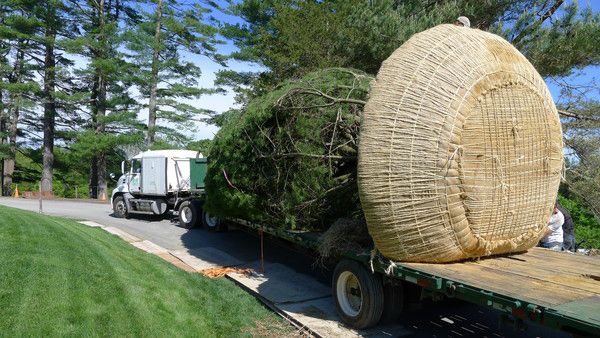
column 460, row 150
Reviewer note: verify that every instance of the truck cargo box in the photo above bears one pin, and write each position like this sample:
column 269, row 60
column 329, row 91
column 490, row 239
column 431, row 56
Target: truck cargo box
column 154, row 179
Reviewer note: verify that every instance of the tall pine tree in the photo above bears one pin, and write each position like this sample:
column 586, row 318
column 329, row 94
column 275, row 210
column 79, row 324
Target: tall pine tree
column 111, row 109
column 168, row 30
column 18, row 85
column 54, row 16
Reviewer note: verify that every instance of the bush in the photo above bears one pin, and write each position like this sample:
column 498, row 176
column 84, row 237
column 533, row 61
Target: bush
column 587, row 229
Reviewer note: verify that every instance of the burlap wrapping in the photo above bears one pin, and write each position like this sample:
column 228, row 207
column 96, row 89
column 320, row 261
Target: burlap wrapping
column 460, row 149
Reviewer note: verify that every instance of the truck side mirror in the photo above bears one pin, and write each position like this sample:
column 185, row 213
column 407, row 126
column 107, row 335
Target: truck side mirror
column 123, row 167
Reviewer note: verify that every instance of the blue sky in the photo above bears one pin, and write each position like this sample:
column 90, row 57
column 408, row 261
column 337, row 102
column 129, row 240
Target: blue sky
column 221, row 103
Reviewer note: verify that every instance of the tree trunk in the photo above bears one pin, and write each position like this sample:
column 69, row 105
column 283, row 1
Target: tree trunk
column 49, row 110
column 100, row 129
column 102, row 187
column 93, row 187
column 2, row 140
column 154, row 78
column 9, row 164
column 93, row 192
column 101, row 113
column 14, row 106
column 3, row 119
column 98, row 166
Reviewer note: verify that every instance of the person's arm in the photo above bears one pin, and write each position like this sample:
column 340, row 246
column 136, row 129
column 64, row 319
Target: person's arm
column 556, row 221
column 547, row 232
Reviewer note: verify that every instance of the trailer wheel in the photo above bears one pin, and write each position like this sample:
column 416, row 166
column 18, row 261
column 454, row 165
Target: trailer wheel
column 358, row 294
column 120, row 207
column 189, row 214
column 393, row 304
column 212, row 223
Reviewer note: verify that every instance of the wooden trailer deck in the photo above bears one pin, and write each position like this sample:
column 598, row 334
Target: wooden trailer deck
column 565, row 284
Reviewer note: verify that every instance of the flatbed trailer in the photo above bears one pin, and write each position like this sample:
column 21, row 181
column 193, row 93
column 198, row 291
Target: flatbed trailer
column 556, row 289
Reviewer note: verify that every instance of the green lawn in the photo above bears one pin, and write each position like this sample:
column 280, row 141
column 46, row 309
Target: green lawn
column 61, row 278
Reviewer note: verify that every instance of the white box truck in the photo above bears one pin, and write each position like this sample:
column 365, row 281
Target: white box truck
column 157, row 181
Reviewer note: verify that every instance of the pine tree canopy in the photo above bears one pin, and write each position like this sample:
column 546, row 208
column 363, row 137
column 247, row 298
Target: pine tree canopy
column 289, row 158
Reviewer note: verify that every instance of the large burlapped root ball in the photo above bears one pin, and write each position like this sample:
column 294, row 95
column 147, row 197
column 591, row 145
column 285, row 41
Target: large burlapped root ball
column 460, row 149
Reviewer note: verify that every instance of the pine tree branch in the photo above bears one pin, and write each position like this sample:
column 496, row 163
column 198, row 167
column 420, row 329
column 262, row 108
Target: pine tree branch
column 333, row 157
column 24, row 51
column 540, row 21
column 589, row 203
column 578, row 116
column 333, row 100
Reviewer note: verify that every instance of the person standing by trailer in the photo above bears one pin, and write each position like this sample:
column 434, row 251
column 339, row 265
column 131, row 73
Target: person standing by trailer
column 568, row 229
column 553, row 234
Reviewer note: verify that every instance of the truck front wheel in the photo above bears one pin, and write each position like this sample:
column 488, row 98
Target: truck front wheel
column 120, row 207
column 189, row 214
column 358, row 295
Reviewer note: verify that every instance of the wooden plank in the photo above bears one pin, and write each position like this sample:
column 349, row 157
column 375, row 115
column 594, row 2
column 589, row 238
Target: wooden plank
column 498, row 281
column 546, row 273
column 573, row 267
column 558, row 260
column 543, row 267
column 565, row 257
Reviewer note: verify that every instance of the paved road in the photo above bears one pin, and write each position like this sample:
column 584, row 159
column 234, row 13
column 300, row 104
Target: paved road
column 442, row 319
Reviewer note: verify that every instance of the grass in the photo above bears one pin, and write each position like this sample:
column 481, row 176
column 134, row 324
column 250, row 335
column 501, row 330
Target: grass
column 60, row 278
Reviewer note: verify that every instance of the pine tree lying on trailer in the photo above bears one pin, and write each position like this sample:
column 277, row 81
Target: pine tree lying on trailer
column 289, row 158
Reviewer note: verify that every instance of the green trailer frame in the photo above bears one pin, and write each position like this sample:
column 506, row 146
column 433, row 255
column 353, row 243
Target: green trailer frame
column 574, row 312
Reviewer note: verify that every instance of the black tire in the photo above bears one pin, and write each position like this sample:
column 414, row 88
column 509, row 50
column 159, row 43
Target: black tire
column 212, row 223
column 120, row 207
column 393, row 303
column 189, row 214
column 358, row 295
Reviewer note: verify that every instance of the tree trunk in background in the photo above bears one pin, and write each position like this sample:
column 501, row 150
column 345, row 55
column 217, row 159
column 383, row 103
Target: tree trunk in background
column 2, row 140
column 9, row 164
column 14, row 106
column 49, row 111
column 93, row 192
column 154, row 78
column 98, row 166
column 101, row 112
column 102, row 187
column 3, row 121
column 93, row 188
column 100, row 129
